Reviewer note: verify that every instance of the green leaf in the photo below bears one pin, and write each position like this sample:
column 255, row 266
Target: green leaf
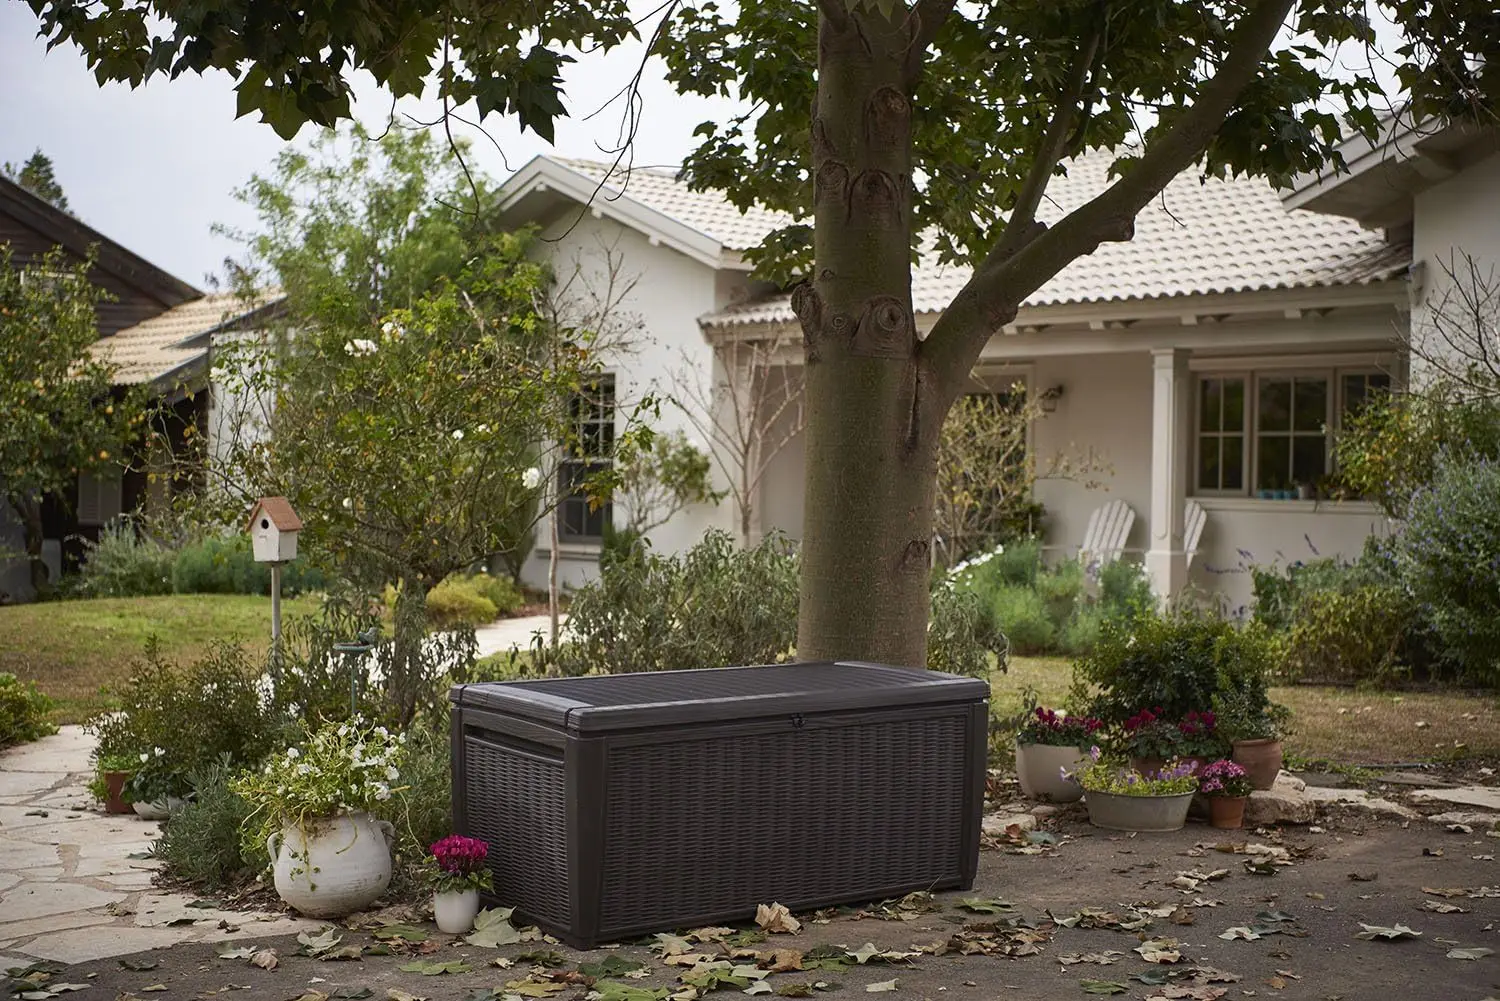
column 1392, row 933
column 1103, row 987
column 882, row 986
column 433, row 968
column 406, row 933
column 611, row 966
column 993, row 905
column 1476, row 952
column 614, row 990
column 140, row 965
column 492, row 929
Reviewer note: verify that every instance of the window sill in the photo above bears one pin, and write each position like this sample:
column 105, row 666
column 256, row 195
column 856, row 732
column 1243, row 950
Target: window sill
column 1259, row 506
column 573, row 549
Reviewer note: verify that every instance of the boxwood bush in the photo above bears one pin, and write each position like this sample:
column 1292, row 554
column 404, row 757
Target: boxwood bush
column 24, row 711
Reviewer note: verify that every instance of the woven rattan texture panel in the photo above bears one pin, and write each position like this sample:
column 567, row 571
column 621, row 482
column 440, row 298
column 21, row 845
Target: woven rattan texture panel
column 516, row 803
column 713, row 826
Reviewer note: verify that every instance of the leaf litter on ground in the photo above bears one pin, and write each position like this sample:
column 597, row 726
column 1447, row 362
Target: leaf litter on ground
column 1389, row 934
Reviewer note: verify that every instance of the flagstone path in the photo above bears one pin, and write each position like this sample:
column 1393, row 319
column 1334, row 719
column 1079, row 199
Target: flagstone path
column 74, row 882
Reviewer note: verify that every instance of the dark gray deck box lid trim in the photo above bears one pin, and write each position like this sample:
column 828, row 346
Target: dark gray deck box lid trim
column 602, row 703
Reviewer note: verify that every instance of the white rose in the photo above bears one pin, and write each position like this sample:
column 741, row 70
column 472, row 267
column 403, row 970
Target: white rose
column 292, row 752
column 145, row 757
column 532, row 478
column 458, row 434
column 392, row 773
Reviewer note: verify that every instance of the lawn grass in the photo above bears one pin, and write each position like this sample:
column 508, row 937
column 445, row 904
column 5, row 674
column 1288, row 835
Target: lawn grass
column 1345, row 726
column 71, row 648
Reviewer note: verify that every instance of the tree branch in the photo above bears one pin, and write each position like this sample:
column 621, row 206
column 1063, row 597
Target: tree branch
column 1054, row 145
column 927, row 19
column 1000, row 284
column 835, row 13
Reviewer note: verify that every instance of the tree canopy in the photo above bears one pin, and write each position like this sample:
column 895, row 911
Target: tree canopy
column 884, row 127
column 36, row 176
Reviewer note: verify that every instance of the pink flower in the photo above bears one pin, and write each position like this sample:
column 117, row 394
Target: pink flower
column 458, row 855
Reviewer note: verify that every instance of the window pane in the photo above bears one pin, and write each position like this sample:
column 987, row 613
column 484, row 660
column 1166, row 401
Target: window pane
column 1275, row 404
column 1308, row 458
column 1234, row 404
column 1208, row 464
column 1233, row 462
column 1312, row 404
column 1210, row 405
column 1354, row 393
column 1273, row 462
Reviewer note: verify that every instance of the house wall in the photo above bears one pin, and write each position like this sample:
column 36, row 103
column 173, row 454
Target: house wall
column 1460, row 215
column 671, row 291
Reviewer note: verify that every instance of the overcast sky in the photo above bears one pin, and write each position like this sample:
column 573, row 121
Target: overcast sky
column 155, row 168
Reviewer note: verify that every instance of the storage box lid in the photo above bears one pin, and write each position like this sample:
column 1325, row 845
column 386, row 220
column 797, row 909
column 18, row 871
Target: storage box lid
column 598, row 703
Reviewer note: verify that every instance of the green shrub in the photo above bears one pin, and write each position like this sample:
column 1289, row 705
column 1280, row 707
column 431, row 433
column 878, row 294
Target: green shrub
column 1082, row 632
column 225, row 564
column 457, row 601
column 1124, row 589
column 500, row 592
column 423, row 812
column 713, row 606
column 1178, row 661
column 1060, row 588
column 1449, row 559
column 24, row 711
column 210, row 711
column 1348, row 636
column 1021, row 614
column 961, row 635
column 202, row 844
column 124, row 564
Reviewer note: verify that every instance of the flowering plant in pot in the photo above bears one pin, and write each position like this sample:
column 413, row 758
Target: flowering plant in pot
column 1047, row 743
column 1201, row 740
column 111, row 781
column 1122, row 798
column 158, row 786
column 1151, row 741
column 1227, row 786
column 459, row 873
column 313, row 808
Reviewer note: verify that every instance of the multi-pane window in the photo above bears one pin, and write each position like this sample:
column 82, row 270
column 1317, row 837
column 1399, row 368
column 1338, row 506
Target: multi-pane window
column 1260, row 433
column 592, row 412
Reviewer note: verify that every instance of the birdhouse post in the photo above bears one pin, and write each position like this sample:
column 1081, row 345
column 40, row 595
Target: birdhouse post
column 273, row 529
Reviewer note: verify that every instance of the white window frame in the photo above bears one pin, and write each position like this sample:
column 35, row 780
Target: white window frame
column 1332, row 371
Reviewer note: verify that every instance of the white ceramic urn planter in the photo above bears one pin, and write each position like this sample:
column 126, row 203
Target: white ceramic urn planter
column 1039, row 768
column 159, row 810
column 454, row 910
column 332, row 867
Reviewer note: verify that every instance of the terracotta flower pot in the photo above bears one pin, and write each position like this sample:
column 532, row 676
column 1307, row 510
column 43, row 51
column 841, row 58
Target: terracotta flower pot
column 1226, row 812
column 1261, row 758
column 114, row 796
column 1039, row 767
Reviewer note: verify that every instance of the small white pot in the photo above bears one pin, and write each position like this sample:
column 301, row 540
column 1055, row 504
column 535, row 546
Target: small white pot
column 159, row 810
column 333, row 866
column 454, row 910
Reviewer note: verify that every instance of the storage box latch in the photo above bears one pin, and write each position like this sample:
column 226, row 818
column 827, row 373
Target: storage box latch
column 797, row 721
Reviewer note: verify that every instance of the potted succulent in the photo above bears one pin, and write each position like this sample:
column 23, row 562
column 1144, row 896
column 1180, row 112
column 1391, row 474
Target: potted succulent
column 460, row 873
column 1151, row 741
column 1122, row 799
column 112, row 774
column 1227, row 786
column 312, row 806
column 1048, row 743
column 1255, row 727
column 158, row 786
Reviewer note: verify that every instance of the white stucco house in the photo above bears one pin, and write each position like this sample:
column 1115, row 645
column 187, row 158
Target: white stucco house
column 1211, row 358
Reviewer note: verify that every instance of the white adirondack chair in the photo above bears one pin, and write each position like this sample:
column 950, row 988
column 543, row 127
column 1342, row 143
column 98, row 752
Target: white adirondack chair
column 1194, row 518
column 1104, row 538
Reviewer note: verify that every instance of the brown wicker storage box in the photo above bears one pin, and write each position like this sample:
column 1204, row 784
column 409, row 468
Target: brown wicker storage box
column 617, row 805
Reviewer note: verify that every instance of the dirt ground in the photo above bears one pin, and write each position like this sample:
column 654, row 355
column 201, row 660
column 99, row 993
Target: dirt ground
column 1307, row 910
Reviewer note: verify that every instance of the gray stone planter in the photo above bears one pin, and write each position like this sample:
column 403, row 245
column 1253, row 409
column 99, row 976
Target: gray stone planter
column 1137, row 813
column 1039, row 769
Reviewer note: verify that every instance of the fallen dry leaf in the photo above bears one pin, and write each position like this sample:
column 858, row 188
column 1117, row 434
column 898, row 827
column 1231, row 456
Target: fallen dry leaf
column 775, row 918
column 265, row 959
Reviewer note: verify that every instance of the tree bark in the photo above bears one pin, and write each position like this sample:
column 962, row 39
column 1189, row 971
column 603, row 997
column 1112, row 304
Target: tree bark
column 870, row 459
column 410, row 631
column 29, row 510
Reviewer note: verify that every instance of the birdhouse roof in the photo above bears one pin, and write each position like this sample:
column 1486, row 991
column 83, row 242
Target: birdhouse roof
column 279, row 510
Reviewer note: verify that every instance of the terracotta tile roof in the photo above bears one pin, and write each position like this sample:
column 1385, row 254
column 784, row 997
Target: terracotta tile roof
column 279, row 510
column 1200, row 237
column 155, row 348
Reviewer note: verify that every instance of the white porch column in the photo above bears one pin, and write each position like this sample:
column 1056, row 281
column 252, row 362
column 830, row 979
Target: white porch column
column 1171, row 397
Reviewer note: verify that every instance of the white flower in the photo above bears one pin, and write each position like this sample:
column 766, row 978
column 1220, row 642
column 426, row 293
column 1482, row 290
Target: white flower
column 348, row 503
column 159, row 752
column 304, row 768
column 532, row 478
column 388, row 327
column 145, row 757
column 458, row 434
column 382, row 791
column 292, row 752
column 392, row 773
column 483, row 429
column 359, row 347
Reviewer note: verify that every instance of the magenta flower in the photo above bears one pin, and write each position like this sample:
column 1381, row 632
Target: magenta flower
column 460, row 856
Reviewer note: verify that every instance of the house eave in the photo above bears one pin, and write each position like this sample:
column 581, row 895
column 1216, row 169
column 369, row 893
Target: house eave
column 542, row 176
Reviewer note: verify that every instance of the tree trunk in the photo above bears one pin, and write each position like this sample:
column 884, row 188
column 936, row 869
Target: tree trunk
column 410, row 629
column 29, row 510
column 870, row 461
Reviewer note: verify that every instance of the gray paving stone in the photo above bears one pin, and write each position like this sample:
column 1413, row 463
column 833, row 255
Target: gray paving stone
column 18, row 855
column 19, row 784
column 1484, row 797
column 82, row 945
column 20, row 931
column 35, row 900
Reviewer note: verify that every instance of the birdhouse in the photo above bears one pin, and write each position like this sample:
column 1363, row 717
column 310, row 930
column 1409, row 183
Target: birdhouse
column 273, row 530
